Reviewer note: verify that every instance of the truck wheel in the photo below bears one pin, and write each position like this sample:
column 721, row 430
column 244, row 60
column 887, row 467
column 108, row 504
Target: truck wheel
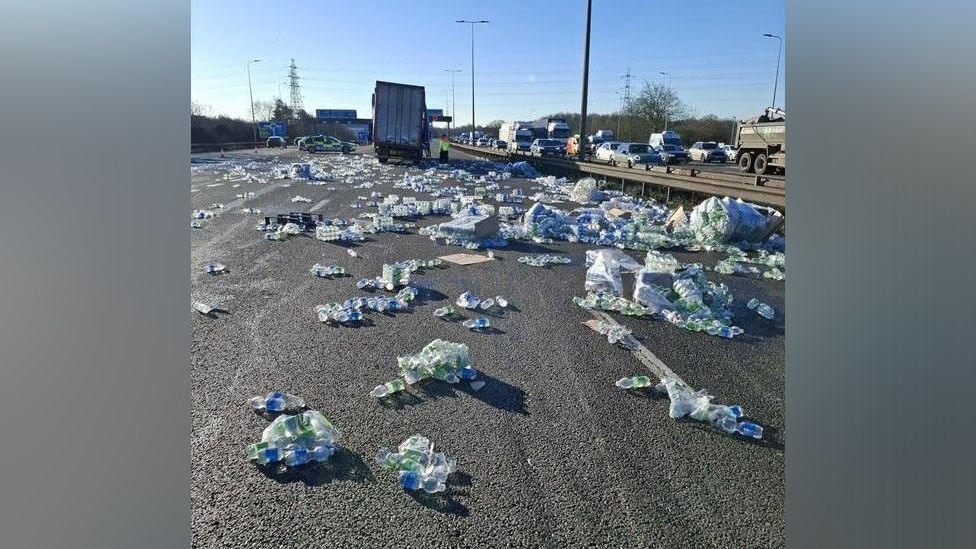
column 761, row 164
column 745, row 162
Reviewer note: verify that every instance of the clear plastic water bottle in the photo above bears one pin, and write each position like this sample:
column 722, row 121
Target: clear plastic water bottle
column 486, row 304
column 477, row 323
column 277, row 401
column 388, row 388
column 447, row 310
column 501, row 301
column 765, row 311
column 351, row 252
column 636, row 382
column 468, row 300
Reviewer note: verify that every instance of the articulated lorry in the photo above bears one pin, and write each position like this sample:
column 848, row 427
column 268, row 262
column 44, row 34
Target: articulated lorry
column 400, row 125
column 517, row 135
column 761, row 143
column 550, row 128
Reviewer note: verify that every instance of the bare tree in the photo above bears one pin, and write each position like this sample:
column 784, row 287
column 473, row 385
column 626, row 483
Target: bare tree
column 199, row 109
column 653, row 105
column 264, row 110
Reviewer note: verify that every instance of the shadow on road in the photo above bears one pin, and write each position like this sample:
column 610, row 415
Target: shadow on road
column 444, row 502
column 496, row 392
column 343, row 465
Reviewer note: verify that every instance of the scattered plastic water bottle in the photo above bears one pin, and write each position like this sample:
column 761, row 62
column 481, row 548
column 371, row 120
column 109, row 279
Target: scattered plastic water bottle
column 388, row 388
column 491, row 254
column 327, row 270
column 195, row 224
column 277, row 401
column 501, row 301
column 468, row 300
column 447, row 310
column 418, row 465
column 486, row 304
column 204, row 308
column 762, row 309
column 636, row 382
column 477, row 323
column 698, row 406
column 295, row 439
column 351, row 252
column 214, row 268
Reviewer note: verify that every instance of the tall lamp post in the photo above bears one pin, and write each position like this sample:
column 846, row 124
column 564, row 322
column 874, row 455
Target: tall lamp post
column 581, row 152
column 250, row 94
column 453, row 96
column 472, row 23
column 779, row 52
column 667, row 111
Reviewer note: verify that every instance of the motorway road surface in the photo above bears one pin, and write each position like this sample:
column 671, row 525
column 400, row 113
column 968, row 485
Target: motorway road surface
column 550, row 453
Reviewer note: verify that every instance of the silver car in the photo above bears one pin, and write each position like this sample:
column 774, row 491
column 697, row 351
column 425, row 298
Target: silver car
column 631, row 154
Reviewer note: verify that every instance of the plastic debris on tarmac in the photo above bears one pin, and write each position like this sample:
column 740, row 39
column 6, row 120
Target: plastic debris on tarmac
column 296, row 440
column 418, row 465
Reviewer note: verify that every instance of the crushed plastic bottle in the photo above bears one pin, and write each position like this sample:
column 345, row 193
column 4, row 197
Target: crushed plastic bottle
column 468, row 300
column 325, row 271
column 388, row 388
column 477, row 323
column 214, row 268
column 300, row 198
column 501, row 301
column 439, row 359
column 616, row 334
column 352, row 253
column 697, row 405
column 277, row 401
column 447, row 310
column 206, row 308
column 418, row 465
column 761, row 308
column 195, row 224
column 296, row 440
column 635, row 382
column 486, row 304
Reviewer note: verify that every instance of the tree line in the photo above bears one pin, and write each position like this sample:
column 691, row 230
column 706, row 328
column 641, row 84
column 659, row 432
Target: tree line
column 653, row 107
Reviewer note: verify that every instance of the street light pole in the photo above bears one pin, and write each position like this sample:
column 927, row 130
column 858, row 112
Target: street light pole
column 779, row 52
column 250, row 95
column 580, row 153
column 453, row 96
column 667, row 113
column 472, row 23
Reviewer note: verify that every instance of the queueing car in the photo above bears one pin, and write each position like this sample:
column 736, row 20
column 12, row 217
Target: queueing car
column 544, row 147
column 632, row 154
column 499, row 144
column 707, row 151
column 604, row 152
column 673, row 154
column 276, row 141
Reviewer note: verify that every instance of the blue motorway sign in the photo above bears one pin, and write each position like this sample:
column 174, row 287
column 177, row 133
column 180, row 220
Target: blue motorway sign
column 269, row 129
column 335, row 113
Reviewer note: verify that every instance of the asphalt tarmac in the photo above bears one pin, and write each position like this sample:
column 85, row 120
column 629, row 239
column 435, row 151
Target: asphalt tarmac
column 550, row 453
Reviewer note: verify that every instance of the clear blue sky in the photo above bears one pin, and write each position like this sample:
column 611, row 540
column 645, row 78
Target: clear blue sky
column 528, row 60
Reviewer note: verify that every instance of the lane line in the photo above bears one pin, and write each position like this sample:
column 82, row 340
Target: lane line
column 643, row 354
column 320, row 205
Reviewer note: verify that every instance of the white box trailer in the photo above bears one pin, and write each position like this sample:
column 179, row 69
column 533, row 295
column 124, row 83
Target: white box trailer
column 400, row 125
